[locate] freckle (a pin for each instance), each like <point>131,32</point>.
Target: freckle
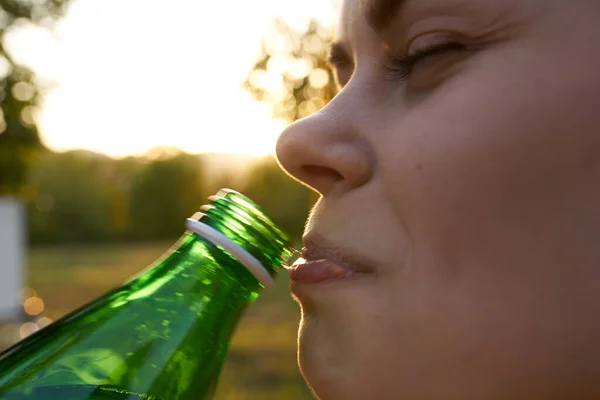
<point>419,166</point>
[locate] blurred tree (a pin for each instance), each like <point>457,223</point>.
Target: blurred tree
<point>294,76</point>
<point>167,191</point>
<point>85,197</point>
<point>72,199</point>
<point>19,93</point>
<point>292,73</point>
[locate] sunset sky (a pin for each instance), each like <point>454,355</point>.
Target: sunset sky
<point>129,75</point>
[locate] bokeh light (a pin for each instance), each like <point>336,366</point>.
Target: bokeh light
<point>319,78</point>
<point>28,115</point>
<point>27,329</point>
<point>34,306</point>
<point>43,322</point>
<point>23,91</point>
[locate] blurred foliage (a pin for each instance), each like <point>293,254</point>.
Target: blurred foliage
<point>83,197</point>
<point>292,73</point>
<point>71,193</point>
<point>36,11</point>
<point>19,93</point>
<point>164,193</point>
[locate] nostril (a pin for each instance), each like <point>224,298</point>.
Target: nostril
<point>320,178</point>
<point>321,173</point>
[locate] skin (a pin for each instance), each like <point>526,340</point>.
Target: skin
<point>472,188</point>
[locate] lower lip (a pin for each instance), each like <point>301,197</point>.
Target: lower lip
<point>319,271</point>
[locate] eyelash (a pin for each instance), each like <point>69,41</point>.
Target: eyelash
<point>401,67</point>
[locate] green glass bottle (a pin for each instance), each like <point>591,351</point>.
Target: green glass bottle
<point>165,333</point>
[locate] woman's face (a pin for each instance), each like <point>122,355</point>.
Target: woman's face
<point>461,164</point>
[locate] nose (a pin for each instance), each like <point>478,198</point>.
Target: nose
<point>326,151</point>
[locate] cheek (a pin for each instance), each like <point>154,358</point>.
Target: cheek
<point>494,144</point>
<point>488,175</point>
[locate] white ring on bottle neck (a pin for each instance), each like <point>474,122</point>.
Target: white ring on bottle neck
<point>241,254</point>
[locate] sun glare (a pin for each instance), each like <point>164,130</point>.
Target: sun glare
<point>157,77</point>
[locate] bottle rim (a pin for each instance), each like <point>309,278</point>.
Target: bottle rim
<point>242,255</point>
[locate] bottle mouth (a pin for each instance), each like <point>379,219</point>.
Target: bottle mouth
<point>245,224</point>
<point>295,257</point>
<point>245,258</point>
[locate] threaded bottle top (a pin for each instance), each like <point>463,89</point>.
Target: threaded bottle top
<point>244,223</point>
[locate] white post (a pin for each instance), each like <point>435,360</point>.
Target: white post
<point>12,256</point>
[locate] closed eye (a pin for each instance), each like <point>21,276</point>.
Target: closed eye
<point>401,67</point>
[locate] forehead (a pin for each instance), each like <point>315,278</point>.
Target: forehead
<point>360,17</point>
<point>375,13</point>
<point>379,15</point>
<point>363,20</point>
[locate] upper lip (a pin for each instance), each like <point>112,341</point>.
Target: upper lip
<point>317,247</point>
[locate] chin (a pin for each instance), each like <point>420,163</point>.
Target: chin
<point>343,346</point>
<point>341,375</point>
<point>325,371</point>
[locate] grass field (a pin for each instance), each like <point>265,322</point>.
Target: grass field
<point>262,361</point>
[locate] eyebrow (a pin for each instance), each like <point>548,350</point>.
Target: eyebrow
<point>379,13</point>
